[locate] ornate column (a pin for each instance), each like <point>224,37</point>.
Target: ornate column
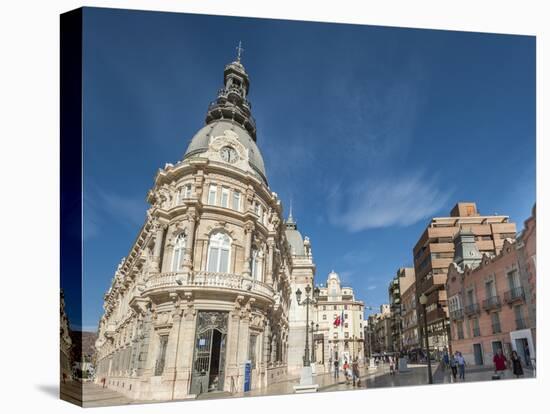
<point>190,244</point>
<point>159,236</point>
<point>248,229</point>
<point>173,338</point>
<point>269,267</point>
<point>185,348</point>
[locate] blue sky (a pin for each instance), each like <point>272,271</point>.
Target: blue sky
<point>370,130</point>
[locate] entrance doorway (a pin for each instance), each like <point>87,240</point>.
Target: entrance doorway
<point>522,348</point>
<point>209,353</point>
<point>478,354</point>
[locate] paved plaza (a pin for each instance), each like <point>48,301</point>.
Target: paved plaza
<point>96,396</point>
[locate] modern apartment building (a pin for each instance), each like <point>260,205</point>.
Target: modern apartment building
<point>434,252</point>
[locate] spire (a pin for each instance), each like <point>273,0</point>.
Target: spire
<point>231,103</point>
<point>290,223</point>
<point>240,50</point>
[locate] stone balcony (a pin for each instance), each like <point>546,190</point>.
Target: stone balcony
<point>471,309</point>
<point>515,295</point>
<point>457,314</point>
<point>490,303</point>
<point>207,280</point>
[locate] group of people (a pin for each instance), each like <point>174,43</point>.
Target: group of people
<point>457,363</point>
<point>351,371</point>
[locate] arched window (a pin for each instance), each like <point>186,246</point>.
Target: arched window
<point>179,250</point>
<point>219,250</point>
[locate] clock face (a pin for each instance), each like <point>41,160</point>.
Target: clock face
<point>229,154</point>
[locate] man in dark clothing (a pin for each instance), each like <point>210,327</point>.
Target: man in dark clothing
<point>336,371</point>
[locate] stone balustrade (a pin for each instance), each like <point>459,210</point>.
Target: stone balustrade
<point>208,280</point>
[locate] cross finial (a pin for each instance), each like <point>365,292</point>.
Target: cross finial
<point>240,50</point>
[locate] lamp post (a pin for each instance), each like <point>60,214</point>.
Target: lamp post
<point>306,379</point>
<point>314,328</point>
<point>423,299</point>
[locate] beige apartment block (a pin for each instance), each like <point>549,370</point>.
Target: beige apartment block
<point>434,252</point>
<point>411,343</point>
<point>403,279</point>
<point>205,291</point>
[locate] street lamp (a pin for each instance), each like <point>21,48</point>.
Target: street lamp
<point>306,302</point>
<point>423,299</point>
<point>306,379</point>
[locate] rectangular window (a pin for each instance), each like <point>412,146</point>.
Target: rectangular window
<point>252,351</point>
<point>513,279</point>
<point>489,289</point>
<point>475,327</point>
<point>187,191</point>
<point>236,201</point>
<point>520,322</point>
<point>460,329</point>
<point>346,325</point>
<point>212,192</point>
<point>335,335</point>
<point>159,366</point>
<point>225,197</point>
<point>345,316</point>
<point>346,334</point>
<point>224,261</point>
<point>495,322</point>
<point>213,259</point>
<point>324,317</point>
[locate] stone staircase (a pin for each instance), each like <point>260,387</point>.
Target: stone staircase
<point>88,394</point>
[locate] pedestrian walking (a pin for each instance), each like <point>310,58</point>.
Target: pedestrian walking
<point>461,364</point>
<point>517,369</point>
<point>355,372</point>
<point>452,363</point>
<point>345,367</point>
<point>336,371</point>
<point>499,361</point>
<point>392,367</point>
<point>445,360</point>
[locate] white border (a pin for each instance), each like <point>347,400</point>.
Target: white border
<point>29,164</point>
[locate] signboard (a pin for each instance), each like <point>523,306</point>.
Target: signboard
<point>247,375</point>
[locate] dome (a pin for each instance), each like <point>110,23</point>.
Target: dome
<point>296,241</point>
<point>199,143</point>
<point>333,275</point>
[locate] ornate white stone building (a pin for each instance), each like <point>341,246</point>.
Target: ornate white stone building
<point>343,340</point>
<point>206,289</point>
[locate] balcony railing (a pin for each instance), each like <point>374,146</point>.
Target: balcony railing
<point>471,309</point>
<point>457,314</point>
<point>516,294</point>
<point>491,303</point>
<point>208,280</point>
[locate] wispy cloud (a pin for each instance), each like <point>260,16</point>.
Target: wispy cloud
<point>377,120</point>
<point>386,202</point>
<point>371,287</point>
<point>100,206</point>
